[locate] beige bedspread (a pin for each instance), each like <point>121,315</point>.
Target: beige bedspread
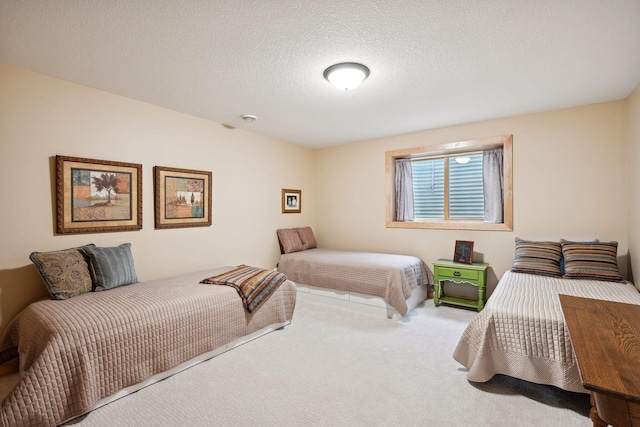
<point>81,350</point>
<point>391,277</point>
<point>522,333</point>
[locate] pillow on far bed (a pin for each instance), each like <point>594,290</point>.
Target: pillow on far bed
<point>290,241</point>
<point>541,258</point>
<point>65,272</point>
<point>591,260</point>
<point>564,271</point>
<point>307,237</point>
<point>111,267</point>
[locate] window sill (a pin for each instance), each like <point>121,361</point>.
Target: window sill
<point>452,225</point>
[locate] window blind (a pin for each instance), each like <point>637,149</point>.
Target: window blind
<point>428,188</point>
<point>466,195</point>
<point>466,198</point>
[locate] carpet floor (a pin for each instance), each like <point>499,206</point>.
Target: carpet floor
<point>337,367</point>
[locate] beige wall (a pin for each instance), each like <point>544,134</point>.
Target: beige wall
<point>570,182</point>
<point>42,116</point>
<point>633,160</point>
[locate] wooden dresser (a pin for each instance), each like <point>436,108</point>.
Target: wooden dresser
<point>606,342</point>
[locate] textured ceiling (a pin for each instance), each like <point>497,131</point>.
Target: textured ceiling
<point>433,63</point>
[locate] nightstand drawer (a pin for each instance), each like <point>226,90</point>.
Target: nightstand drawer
<point>458,273</point>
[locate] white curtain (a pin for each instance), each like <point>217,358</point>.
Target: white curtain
<point>493,181</point>
<point>404,190</point>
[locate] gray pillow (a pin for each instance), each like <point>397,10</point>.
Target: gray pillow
<point>65,272</point>
<point>111,267</point>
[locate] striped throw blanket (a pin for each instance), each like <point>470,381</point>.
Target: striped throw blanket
<point>254,285</point>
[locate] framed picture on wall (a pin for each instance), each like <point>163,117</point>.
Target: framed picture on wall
<point>463,252</point>
<point>94,196</point>
<point>182,197</point>
<point>291,201</point>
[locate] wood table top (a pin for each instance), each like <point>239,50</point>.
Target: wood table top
<point>606,342</point>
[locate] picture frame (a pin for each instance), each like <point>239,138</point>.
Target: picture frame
<point>182,197</point>
<point>463,252</point>
<point>96,196</point>
<point>291,201</point>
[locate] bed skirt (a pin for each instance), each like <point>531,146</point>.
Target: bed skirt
<point>364,303</point>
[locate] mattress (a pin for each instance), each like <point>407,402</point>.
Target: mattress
<point>79,351</point>
<point>388,276</point>
<point>522,332</point>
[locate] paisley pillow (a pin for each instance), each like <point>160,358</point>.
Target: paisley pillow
<point>66,272</point>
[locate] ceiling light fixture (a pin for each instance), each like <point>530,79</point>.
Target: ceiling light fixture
<point>249,118</point>
<point>346,75</point>
<point>462,160</point>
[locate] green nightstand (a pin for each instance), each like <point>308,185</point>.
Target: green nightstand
<point>474,274</point>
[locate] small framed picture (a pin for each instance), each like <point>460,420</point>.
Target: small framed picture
<point>291,201</point>
<point>463,252</point>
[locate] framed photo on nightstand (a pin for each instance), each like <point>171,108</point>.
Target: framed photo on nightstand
<point>463,252</point>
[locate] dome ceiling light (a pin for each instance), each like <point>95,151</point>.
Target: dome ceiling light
<point>346,75</point>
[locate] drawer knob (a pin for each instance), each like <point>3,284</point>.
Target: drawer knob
<point>456,273</point>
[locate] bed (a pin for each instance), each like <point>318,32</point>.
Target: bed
<point>80,353</point>
<point>522,332</point>
<point>375,282</point>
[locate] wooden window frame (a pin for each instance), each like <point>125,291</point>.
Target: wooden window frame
<point>482,144</point>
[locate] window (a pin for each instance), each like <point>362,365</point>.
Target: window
<point>457,177</point>
<point>444,186</point>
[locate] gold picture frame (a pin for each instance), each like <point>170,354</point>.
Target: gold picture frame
<point>182,197</point>
<point>96,196</point>
<point>291,201</point>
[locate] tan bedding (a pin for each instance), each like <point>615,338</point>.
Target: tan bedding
<point>522,333</point>
<point>81,350</point>
<point>388,276</point>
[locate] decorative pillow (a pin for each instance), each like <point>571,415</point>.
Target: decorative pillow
<point>111,267</point>
<point>66,272</point>
<point>591,260</point>
<point>307,237</point>
<point>289,240</point>
<point>562,259</point>
<point>537,258</point>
